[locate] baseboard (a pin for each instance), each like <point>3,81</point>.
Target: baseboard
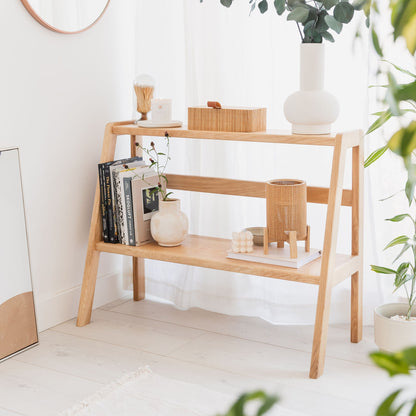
<point>64,305</point>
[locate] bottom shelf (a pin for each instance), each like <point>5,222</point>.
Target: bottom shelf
<point>210,252</point>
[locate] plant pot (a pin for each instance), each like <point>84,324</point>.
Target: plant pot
<point>391,335</point>
<point>311,110</point>
<point>169,226</point>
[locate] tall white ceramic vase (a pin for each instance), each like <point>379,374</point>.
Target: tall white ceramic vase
<point>311,110</point>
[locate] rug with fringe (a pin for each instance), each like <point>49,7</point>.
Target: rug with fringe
<point>144,393</point>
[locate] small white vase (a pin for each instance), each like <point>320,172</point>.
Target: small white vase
<point>391,335</point>
<point>311,110</point>
<point>169,226</point>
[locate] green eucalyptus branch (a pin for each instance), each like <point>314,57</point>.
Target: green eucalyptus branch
<point>314,19</point>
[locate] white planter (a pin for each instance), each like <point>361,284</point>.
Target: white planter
<point>391,335</point>
<point>311,110</point>
<point>169,226</point>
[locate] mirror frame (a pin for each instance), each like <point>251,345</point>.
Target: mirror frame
<point>32,12</point>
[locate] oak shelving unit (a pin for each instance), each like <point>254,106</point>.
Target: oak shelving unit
<point>326,272</point>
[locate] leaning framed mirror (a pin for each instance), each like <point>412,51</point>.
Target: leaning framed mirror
<point>18,329</point>
<point>66,16</point>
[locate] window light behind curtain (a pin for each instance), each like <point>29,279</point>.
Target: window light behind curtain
<point>198,52</point>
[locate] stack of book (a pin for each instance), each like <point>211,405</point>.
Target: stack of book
<point>121,198</point>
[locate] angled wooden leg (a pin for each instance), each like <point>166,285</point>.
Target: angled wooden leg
<point>93,256</point>
<point>280,244</point>
<point>320,331</point>
<point>328,259</point>
<point>138,279</point>
<point>88,287</point>
<point>357,241</point>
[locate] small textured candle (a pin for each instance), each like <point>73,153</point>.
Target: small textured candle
<point>162,110</point>
<point>242,242</point>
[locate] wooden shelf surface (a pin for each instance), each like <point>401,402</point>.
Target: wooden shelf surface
<point>268,136</point>
<point>210,252</point>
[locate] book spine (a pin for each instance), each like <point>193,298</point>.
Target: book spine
<point>128,202</point>
<point>109,205</point>
<point>118,208</point>
<point>103,203</point>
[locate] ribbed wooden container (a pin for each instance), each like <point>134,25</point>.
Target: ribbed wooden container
<point>286,209</point>
<point>227,119</point>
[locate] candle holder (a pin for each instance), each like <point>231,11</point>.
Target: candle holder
<point>144,86</point>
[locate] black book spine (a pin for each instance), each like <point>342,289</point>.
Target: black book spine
<point>103,203</point>
<point>128,198</point>
<point>109,206</point>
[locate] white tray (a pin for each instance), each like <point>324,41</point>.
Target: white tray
<point>151,123</point>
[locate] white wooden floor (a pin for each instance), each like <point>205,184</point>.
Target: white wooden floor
<point>226,354</point>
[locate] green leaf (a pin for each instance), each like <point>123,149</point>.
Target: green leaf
<point>226,3</point>
<point>299,14</point>
<point>389,362</point>
<point>343,12</point>
<point>409,355</point>
<point>405,71</point>
<point>360,4</point>
<point>403,142</point>
<point>321,25</point>
<point>376,43</point>
<point>406,92</point>
<point>328,36</point>
<point>333,23</point>
<point>403,239</point>
<point>280,6</point>
<point>328,4</point>
<point>399,218</point>
<point>375,155</point>
<point>402,251</point>
<point>263,6</point>
<point>268,403</point>
<point>384,117</point>
<point>382,270</point>
<point>386,407</point>
<point>413,409</point>
<point>410,190</point>
<point>391,95</point>
<point>409,33</point>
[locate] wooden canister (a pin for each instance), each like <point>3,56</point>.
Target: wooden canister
<point>286,209</point>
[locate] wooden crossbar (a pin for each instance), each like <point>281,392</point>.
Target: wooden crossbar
<point>315,195</point>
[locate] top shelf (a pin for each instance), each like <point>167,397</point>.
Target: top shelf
<point>268,136</point>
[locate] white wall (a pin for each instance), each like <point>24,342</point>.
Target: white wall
<point>56,94</point>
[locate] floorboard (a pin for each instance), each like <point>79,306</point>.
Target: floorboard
<point>223,353</point>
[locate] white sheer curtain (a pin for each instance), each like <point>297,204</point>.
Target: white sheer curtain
<point>198,52</point>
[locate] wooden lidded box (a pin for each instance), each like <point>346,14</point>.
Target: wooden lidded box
<point>236,119</point>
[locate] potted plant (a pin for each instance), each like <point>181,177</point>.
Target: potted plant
<point>169,226</point>
<point>395,326</point>
<point>395,323</point>
<point>312,110</point>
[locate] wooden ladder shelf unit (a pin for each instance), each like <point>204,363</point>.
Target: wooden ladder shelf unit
<point>326,272</point>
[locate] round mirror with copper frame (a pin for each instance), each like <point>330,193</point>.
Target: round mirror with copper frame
<point>66,16</point>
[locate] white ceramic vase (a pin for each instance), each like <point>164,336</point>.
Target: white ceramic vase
<point>391,335</point>
<point>311,110</point>
<point>169,226</point>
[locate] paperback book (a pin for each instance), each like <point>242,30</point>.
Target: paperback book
<point>108,218</point>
